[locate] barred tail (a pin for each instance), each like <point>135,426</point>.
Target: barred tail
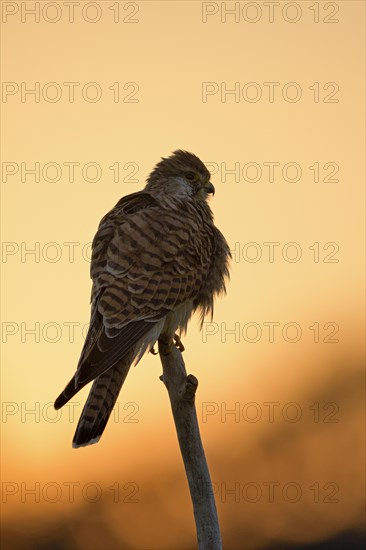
<point>99,405</point>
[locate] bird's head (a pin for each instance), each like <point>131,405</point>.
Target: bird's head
<point>183,175</point>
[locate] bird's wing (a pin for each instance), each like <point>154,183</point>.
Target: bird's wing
<point>146,261</point>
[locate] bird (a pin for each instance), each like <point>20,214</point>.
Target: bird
<point>157,258</point>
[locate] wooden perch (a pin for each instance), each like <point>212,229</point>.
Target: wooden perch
<point>182,390</point>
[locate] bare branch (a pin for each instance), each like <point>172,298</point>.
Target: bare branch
<point>182,390</point>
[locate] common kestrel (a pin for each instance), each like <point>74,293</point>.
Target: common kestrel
<point>157,257</point>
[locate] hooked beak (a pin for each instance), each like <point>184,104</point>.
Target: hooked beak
<point>209,188</point>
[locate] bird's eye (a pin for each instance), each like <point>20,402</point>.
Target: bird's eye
<point>191,176</point>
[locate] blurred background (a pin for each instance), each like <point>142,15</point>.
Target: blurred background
<point>270,97</point>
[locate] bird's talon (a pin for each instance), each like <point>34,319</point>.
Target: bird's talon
<point>152,350</point>
<point>178,343</point>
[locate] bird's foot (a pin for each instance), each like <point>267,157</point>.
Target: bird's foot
<point>152,350</point>
<point>166,347</point>
<point>178,343</point>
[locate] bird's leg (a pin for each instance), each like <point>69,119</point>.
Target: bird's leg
<point>178,342</point>
<point>166,345</point>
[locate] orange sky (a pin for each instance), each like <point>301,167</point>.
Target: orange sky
<point>314,306</point>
